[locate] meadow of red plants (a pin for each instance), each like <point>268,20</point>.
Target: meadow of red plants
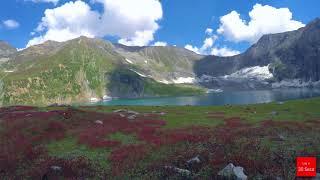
<point>265,150</point>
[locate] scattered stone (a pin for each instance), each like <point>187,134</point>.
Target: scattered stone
<point>274,113</point>
<point>163,113</point>
<point>126,111</point>
<point>132,117</point>
<point>183,172</point>
<point>281,137</point>
<point>194,164</point>
<point>133,112</point>
<point>98,122</point>
<point>28,115</point>
<point>280,103</point>
<point>122,115</point>
<point>233,173</point>
<point>120,111</point>
<point>56,168</point>
<point>194,160</point>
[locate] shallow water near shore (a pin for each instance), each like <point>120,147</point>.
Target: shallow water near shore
<point>221,98</point>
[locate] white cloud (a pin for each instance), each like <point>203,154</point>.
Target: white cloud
<point>208,43</point>
<point>55,2</point>
<point>224,52</point>
<point>208,47</point>
<point>66,22</point>
<point>192,48</point>
<point>133,23</point>
<point>160,43</point>
<point>209,31</point>
<point>205,48</point>
<point>263,20</point>
<point>141,38</point>
<point>11,24</point>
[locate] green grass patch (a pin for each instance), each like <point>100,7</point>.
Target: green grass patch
<point>124,138</point>
<point>69,148</point>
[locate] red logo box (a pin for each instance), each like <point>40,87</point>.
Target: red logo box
<point>306,166</point>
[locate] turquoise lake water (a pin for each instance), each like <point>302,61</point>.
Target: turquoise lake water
<point>222,98</point>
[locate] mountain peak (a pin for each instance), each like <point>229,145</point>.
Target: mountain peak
<point>6,49</point>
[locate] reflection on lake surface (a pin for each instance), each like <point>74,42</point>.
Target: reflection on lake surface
<point>222,98</point>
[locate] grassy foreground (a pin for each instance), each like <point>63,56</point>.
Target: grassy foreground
<point>148,142</point>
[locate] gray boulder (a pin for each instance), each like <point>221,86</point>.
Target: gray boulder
<point>182,172</point>
<point>194,160</point>
<point>132,117</point>
<point>232,172</point>
<point>56,168</point>
<point>98,122</point>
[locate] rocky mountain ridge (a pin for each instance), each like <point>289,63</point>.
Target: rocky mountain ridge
<point>85,69</point>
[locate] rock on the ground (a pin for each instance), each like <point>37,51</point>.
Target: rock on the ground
<point>232,172</point>
<point>274,113</point>
<point>281,137</point>
<point>194,160</point>
<point>194,164</point>
<point>133,112</point>
<point>183,172</point>
<point>56,168</point>
<point>119,111</point>
<point>126,111</point>
<point>122,115</point>
<point>98,122</point>
<point>132,117</point>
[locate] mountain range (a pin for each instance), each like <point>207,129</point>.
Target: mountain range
<point>88,69</point>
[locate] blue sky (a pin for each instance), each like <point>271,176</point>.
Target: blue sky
<point>175,22</point>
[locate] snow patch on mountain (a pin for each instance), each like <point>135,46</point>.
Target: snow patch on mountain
<point>164,81</point>
<point>255,72</point>
<point>184,80</point>
<point>179,80</point>
<point>129,61</point>
<point>140,74</point>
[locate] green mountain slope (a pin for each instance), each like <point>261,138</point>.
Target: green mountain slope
<point>76,71</point>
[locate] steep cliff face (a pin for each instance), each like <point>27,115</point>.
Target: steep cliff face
<point>289,55</point>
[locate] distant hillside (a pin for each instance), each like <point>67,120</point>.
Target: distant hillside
<point>79,70</point>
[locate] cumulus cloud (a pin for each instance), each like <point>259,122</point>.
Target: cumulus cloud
<point>132,23</point>
<point>208,48</point>
<point>11,24</point>
<point>205,48</point>
<point>209,31</point>
<point>224,51</point>
<point>160,43</point>
<point>208,42</point>
<point>192,48</point>
<point>55,2</point>
<point>263,20</point>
